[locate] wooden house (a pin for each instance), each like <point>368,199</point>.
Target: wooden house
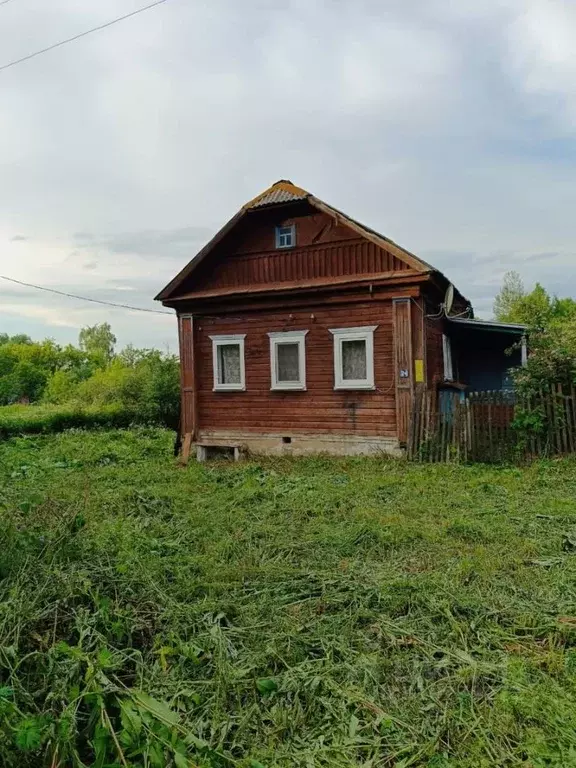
<point>302,330</point>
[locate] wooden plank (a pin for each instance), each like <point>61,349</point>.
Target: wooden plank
<point>418,341</point>
<point>571,419</point>
<point>430,424</point>
<point>465,415</point>
<point>186,446</point>
<point>262,288</point>
<point>413,431</point>
<point>456,429</point>
<point>186,374</point>
<point>561,410</point>
<point>403,360</point>
<point>488,404</point>
<point>478,424</point>
<point>424,415</point>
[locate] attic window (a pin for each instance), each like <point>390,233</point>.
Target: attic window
<point>286,236</point>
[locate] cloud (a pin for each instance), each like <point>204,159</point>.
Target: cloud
<point>447,126</point>
<point>154,243</point>
<point>544,59</point>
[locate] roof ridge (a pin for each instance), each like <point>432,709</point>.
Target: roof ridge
<point>282,191</point>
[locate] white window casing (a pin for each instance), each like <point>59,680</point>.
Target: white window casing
<point>354,357</point>
<point>286,236</point>
<point>288,373</point>
<point>227,363</point>
<point>447,354</point>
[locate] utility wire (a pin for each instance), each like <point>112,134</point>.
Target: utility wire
<point>5,1</point>
<point>82,34</point>
<point>83,298</point>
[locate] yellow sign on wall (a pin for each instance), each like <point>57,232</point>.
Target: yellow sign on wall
<point>419,371</point>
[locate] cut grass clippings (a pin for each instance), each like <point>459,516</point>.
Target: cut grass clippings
<point>282,612</point>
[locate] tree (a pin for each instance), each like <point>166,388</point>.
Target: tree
<point>19,338</point>
<point>98,341</point>
<point>506,301</point>
<point>535,309</point>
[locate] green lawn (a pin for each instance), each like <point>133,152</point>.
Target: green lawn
<point>310,612</point>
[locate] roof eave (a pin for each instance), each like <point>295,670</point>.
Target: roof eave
<point>489,325</point>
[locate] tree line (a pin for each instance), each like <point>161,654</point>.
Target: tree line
<point>90,373</point>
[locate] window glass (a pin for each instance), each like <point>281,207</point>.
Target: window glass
<point>288,355</point>
<point>285,236</point>
<point>354,360</point>
<point>229,364</point>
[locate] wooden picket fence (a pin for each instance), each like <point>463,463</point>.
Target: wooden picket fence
<point>493,427</point>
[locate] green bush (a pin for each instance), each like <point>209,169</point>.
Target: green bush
<point>86,386</point>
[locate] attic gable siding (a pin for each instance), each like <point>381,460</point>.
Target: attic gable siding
<point>324,250</point>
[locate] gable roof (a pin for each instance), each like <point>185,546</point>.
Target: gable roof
<point>281,193</point>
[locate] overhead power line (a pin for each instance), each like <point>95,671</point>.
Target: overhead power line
<point>5,1</point>
<point>82,34</point>
<point>83,298</point>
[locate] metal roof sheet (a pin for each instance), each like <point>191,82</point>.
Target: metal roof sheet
<point>489,325</point>
<point>280,192</point>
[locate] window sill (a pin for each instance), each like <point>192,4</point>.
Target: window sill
<point>355,386</point>
<point>288,388</point>
<point>229,389</point>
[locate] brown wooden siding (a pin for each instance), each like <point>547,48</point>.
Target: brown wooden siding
<point>320,408</point>
<point>308,263</point>
<point>434,350</point>
<point>323,250</point>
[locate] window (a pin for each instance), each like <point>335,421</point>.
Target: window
<point>354,357</point>
<point>286,236</point>
<point>288,359</point>
<point>228,362</point>
<point>447,354</point>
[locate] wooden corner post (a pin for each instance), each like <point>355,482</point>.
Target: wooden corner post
<point>404,366</point>
<point>188,384</point>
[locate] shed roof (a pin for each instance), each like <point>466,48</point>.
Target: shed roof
<point>489,325</point>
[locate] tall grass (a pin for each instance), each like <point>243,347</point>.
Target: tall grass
<point>48,419</point>
<point>314,612</point>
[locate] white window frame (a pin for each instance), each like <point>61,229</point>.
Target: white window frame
<point>447,356</point>
<point>292,228</point>
<point>220,341</point>
<point>288,337</point>
<point>362,333</point>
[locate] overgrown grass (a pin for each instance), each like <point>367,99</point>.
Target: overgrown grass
<point>49,419</point>
<point>314,612</point>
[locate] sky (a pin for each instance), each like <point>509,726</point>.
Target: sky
<point>449,126</point>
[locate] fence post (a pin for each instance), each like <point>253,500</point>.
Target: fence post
<point>414,423</point>
<point>571,418</point>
